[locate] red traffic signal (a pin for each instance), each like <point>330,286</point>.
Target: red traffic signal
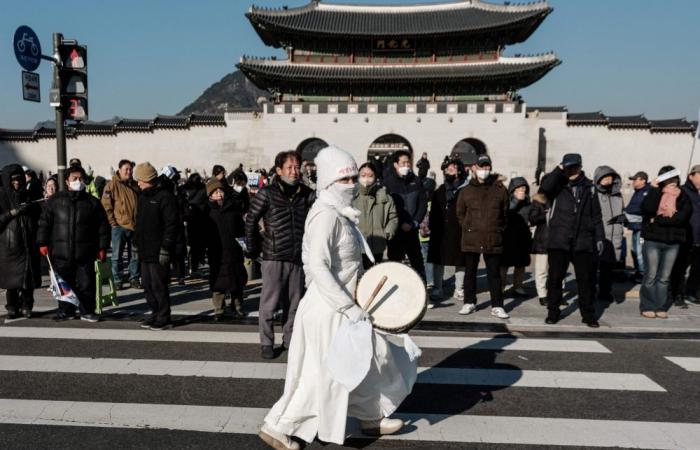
<point>74,79</point>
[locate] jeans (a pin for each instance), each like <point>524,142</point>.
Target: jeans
<point>493,275</point>
<point>658,260</point>
<point>584,268</point>
<point>637,255</point>
<point>121,239</point>
<point>429,267</point>
<point>439,274</point>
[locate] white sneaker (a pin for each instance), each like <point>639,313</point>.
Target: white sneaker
<point>458,294</point>
<point>277,440</point>
<point>468,308</point>
<point>381,427</point>
<point>500,313</point>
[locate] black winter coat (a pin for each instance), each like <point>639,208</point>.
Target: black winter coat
<point>445,230</point>
<point>409,196</point>
<point>517,239</point>
<point>669,230</point>
<point>157,223</point>
<point>284,215</point>
<point>575,222</point>
<point>19,257</point>
<point>226,270</point>
<point>196,212</point>
<point>537,218</point>
<point>74,226</point>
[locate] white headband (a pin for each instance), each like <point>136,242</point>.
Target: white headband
<point>669,175</point>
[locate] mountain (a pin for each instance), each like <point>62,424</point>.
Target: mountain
<point>233,91</point>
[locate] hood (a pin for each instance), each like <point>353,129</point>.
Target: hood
<point>8,171</point>
<point>604,171</point>
<point>518,182</point>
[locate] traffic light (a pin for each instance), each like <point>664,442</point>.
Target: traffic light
<point>74,79</point>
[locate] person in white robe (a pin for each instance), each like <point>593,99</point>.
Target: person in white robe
<point>314,402</point>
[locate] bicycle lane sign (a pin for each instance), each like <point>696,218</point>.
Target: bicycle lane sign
<point>27,48</point>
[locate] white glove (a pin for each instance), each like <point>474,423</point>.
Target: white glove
<point>356,314</point>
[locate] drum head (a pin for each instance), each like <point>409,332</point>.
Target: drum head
<point>401,302</point>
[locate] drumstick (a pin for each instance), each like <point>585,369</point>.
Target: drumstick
<point>379,287</point>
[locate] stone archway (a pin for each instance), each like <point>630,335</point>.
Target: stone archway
<point>387,144</point>
<point>309,148</point>
<point>468,150</point>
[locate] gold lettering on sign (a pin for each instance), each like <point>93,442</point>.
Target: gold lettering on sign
<point>381,44</point>
<point>393,44</point>
<point>405,44</point>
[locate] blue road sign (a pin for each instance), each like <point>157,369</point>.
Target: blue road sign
<point>27,48</point>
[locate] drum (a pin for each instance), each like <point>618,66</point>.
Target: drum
<point>393,295</point>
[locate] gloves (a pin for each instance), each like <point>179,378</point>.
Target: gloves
<point>356,314</point>
<point>101,255</point>
<point>600,247</point>
<point>21,209</point>
<point>44,250</point>
<point>164,257</point>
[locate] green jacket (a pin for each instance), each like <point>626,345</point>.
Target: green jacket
<point>378,218</point>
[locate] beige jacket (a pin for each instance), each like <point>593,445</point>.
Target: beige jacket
<point>119,200</point>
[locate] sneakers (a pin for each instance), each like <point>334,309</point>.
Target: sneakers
<point>155,326</point>
<point>61,316</point>
<point>267,352</point>
<point>552,318</point>
<point>662,314</point>
<point>520,292</point>
<point>92,318</point>
<point>679,302</point>
<point>499,312</point>
<point>381,427</point>
<point>468,308</point>
<point>135,284</point>
<point>591,323</point>
<point>690,300</point>
<point>147,322</point>
<point>649,314</point>
<point>458,294</point>
<point>26,312</point>
<point>277,440</point>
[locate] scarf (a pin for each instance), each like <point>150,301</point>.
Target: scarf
<point>351,214</point>
<point>667,205</point>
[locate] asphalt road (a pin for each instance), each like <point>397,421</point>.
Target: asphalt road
<point>477,391</point>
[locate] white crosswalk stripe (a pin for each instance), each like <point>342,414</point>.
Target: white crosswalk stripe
<point>176,410</point>
<point>427,375</point>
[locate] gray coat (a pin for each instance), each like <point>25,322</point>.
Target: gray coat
<point>378,218</point>
<point>611,207</point>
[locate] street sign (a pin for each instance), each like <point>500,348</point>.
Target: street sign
<point>55,98</point>
<point>27,48</point>
<point>30,87</point>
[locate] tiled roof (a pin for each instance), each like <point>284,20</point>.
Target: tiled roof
<point>671,126</point>
<point>513,73</point>
<point>616,122</point>
<point>112,128</point>
<point>588,118</point>
<point>514,23</point>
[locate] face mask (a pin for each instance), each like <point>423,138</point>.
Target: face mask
<point>238,188</point>
<point>366,181</point>
<point>345,192</point>
<point>290,181</point>
<point>77,185</point>
<point>403,171</point>
<point>483,174</point>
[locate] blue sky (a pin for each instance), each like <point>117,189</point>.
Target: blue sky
<point>156,56</point>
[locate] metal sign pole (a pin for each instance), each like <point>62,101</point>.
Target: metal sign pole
<point>692,152</point>
<point>60,128</point>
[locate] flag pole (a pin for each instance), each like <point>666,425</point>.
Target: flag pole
<point>692,152</point>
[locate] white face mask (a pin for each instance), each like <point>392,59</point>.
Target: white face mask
<point>76,185</point>
<point>238,188</point>
<point>366,181</point>
<point>483,174</point>
<point>344,192</point>
<point>403,171</point>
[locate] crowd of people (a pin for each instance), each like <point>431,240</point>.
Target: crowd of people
<point>161,226</point>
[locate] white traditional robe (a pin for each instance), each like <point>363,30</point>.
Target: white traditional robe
<point>313,403</point>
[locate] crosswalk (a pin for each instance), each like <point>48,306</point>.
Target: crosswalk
<point>471,390</point>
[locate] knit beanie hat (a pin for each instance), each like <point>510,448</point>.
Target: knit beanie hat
<point>214,185</point>
<point>145,172</point>
<point>333,164</point>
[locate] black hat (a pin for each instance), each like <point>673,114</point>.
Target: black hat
<point>217,170</point>
<point>640,174</point>
<point>483,160</point>
<point>75,162</point>
<point>571,160</point>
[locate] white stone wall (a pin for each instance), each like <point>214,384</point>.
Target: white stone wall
<point>511,138</point>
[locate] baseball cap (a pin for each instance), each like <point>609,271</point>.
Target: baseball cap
<point>695,169</point>
<point>483,160</point>
<point>571,160</point>
<point>645,176</point>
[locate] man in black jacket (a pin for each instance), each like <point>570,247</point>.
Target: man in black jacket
<point>157,226</point>
<point>282,206</point>
<point>19,257</point>
<point>74,231</point>
<point>411,202</point>
<point>576,236</point>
